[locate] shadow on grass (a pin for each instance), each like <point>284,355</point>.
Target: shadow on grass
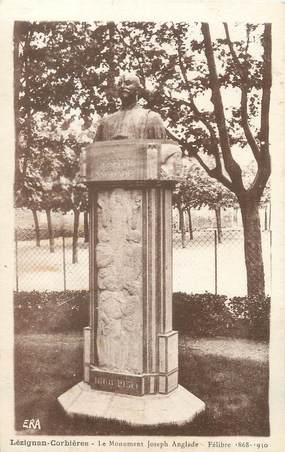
<point>235,391</point>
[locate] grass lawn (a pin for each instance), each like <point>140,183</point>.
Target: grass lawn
<point>235,390</point>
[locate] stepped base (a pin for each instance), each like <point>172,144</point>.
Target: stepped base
<point>178,407</point>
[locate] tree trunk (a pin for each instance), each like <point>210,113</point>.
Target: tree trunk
<point>190,223</point>
<point>182,227</point>
<point>75,236</point>
<point>219,224</point>
<point>265,218</point>
<point>179,219</point>
<point>86,227</point>
<point>235,216</point>
<point>50,231</point>
<point>253,248</point>
<point>17,84</point>
<point>37,228</point>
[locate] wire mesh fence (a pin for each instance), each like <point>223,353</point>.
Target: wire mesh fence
<point>208,261</point>
<point>215,262</point>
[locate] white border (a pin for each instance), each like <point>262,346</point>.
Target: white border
<point>155,10</point>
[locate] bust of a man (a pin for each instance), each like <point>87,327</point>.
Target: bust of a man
<point>131,121</point>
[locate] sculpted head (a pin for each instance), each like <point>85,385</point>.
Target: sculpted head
<point>129,87</point>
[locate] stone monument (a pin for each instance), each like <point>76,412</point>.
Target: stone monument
<point>130,349</point>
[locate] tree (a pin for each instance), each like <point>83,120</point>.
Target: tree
<point>48,205</point>
<point>72,195</point>
<point>178,202</point>
<point>248,198</point>
<point>86,227</point>
<point>193,81</point>
<point>265,202</point>
<point>69,193</point>
<point>55,83</point>
<point>165,54</point>
<point>198,190</point>
<point>30,198</point>
<point>217,134</point>
<point>216,197</point>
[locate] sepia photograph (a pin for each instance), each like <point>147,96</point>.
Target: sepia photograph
<point>142,235</point>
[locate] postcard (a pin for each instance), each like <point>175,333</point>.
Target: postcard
<point>142,226</point>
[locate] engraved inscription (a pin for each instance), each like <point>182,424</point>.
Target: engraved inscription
<point>117,383</point>
<point>111,382</point>
<point>130,161</point>
<point>120,163</point>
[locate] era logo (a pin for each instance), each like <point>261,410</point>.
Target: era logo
<point>32,423</point>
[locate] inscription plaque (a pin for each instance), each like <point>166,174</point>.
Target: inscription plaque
<point>124,384</point>
<point>129,160</point>
<point>125,161</point>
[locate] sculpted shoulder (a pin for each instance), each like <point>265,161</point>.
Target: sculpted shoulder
<point>154,117</point>
<point>136,111</point>
<point>104,124</point>
<point>134,122</point>
<point>155,126</point>
<point>110,118</point>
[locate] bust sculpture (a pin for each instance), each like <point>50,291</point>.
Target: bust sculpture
<point>131,121</point>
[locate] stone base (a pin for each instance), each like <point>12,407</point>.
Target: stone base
<point>178,407</point>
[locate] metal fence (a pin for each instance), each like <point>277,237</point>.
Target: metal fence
<point>206,263</point>
<point>202,263</point>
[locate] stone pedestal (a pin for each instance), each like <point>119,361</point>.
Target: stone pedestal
<point>130,349</point>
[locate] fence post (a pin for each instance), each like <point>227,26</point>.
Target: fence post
<point>16,266</point>
<point>63,262</point>
<point>216,261</point>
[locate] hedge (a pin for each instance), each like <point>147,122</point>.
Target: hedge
<point>216,315</point>
<point>195,315</point>
<point>51,311</point>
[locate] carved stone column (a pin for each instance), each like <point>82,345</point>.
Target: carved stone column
<point>129,346</point>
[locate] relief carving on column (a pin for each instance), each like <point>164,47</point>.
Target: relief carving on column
<point>108,279</point>
<point>119,269</point>
<point>134,231</point>
<point>104,255</point>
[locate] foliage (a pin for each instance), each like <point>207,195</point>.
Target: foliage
<point>66,71</point>
<point>214,96</point>
<point>200,314</point>
<point>194,315</point>
<point>51,311</point>
<point>254,313</point>
<point>215,315</point>
<point>198,190</point>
